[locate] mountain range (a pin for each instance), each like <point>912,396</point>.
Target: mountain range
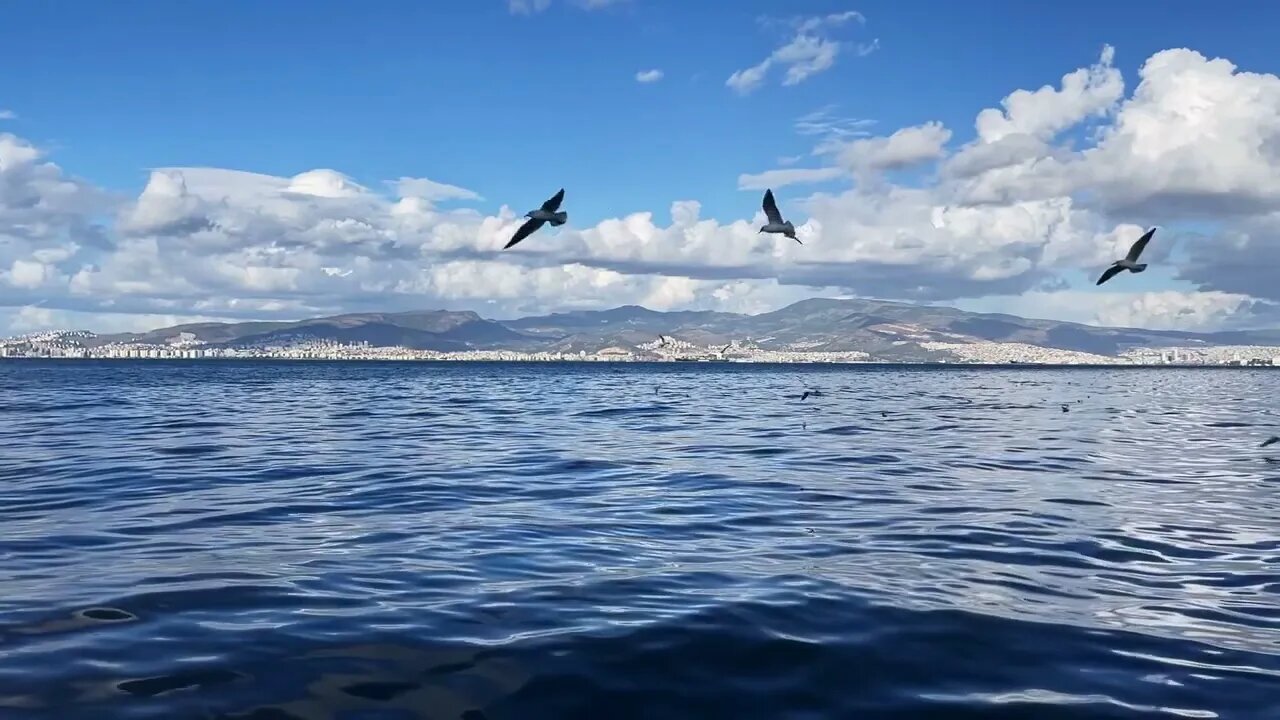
<point>891,331</point>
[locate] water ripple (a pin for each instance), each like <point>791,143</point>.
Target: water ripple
<point>487,540</point>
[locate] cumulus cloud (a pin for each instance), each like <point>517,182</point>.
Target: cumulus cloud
<point>1048,111</point>
<point>1197,138</point>
<point>809,50</point>
<point>649,76</point>
<point>1020,209</point>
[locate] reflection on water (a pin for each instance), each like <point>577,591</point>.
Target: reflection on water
<point>293,540</point>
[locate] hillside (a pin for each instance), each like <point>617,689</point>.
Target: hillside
<point>885,330</point>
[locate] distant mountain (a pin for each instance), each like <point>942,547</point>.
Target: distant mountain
<point>885,330</point>
<point>431,330</point>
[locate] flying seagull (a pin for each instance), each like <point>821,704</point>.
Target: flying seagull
<point>776,224</point>
<point>1130,261</point>
<point>545,214</point>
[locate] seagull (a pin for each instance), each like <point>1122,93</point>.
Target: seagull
<point>545,214</point>
<point>1130,261</point>
<point>1064,409</point>
<point>776,224</point>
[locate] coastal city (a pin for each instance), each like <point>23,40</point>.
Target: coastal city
<point>84,345</point>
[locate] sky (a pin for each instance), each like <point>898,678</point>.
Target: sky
<point>176,162</point>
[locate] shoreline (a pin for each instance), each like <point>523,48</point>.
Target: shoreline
<point>679,363</point>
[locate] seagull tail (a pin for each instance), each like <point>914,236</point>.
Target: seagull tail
<point>561,218</point>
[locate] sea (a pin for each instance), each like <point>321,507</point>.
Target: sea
<point>303,540</point>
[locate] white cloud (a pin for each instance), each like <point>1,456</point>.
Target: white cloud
<point>8,115</point>
<point>31,318</point>
<point>432,191</point>
<point>830,127</point>
<point>649,76</point>
<point>1162,310</point>
<point>530,7</point>
<point>1197,135</point>
<point>905,148</point>
<point>1044,113</point>
<point>1169,310</point>
<point>809,50</point>
<point>28,274</point>
<point>1050,187</point>
<point>787,176</point>
<point>527,7</point>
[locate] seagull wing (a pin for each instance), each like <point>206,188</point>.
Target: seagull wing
<point>771,208</point>
<point>525,231</point>
<point>1110,273</point>
<point>553,204</point>
<point>1139,246</point>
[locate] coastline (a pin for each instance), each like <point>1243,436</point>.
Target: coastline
<point>644,361</point>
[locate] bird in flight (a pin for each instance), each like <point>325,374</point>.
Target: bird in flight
<point>549,213</point>
<point>776,224</point>
<point>1130,261</point>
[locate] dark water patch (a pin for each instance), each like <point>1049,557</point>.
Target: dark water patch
<point>203,680</point>
<point>1076,501</point>
<point>462,400</point>
<point>424,414</point>
<point>767,451</point>
<point>186,450</point>
<point>622,412</point>
<point>845,430</point>
<point>192,424</point>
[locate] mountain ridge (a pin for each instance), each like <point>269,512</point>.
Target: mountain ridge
<point>886,330</point>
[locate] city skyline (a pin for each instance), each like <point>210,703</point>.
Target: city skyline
<point>934,155</point>
<point>811,331</point>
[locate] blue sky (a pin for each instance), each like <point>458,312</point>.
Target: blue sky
<point>514,105</point>
<point>510,105</point>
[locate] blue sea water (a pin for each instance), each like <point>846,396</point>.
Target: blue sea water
<point>278,540</point>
